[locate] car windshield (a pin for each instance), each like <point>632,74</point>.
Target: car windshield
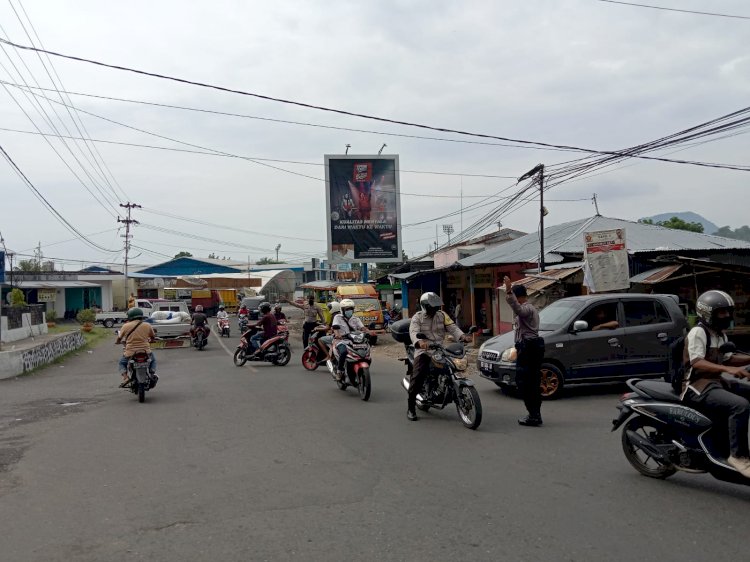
<point>557,314</point>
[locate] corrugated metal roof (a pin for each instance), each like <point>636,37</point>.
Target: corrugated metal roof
<point>567,238</point>
<point>536,283</point>
<point>54,284</point>
<point>655,275</point>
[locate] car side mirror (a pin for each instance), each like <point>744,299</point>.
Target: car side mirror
<point>580,326</point>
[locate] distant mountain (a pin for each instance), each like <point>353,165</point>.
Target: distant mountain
<point>687,216</point>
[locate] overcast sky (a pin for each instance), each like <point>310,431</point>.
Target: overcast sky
<point>569,72</point>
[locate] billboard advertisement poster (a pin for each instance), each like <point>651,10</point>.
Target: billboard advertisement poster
<point>606,261</point>
<point>363,208</point>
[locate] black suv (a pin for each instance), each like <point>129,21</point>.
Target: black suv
<point>593,338</point>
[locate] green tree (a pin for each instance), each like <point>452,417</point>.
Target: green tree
<point>30,266</point>
<point>183,254</point>
<point>267,261</point>
<point>17,298</point>
<point>676,223</point>
<point>741,233</point>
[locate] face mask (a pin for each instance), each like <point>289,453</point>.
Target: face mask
<point>348,313</point>
<point>430,310</point>
<point>722,324</point>
<point>311,302</point>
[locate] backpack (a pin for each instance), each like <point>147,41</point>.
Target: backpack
<point>677,363</point>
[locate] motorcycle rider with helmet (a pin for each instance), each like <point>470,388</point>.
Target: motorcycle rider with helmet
<point>277,312</point>
<point>137,335</point>
<point>222,314</point>
<point>326,342</point>
<point>343,323</point>
<point>704,388</point>
<point>269,325</point>
<point>199,320</point>
<point>435,324</point>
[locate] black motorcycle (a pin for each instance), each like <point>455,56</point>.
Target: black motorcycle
<point>358,360</point>
<point>665,435</point>
<point>141,380</point>
<point>274,350</point>
<point>200,337</point>
<point>446,383</point>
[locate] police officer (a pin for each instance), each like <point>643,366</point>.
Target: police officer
<point>530,352</point>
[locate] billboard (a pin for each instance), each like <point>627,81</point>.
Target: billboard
<point>363,208</point>
<point>606,261</point>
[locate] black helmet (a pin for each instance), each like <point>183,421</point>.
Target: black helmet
<point>135,313</point>
<point>430,303</point>
<point>711,302</point>
<point>265,307</point>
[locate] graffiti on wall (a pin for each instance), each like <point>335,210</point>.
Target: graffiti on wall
<point>44,354</point>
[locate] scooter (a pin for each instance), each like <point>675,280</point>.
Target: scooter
<point>358,361</point>
<point>314,356</point>
<point>222,327</point>
<point>661,435</point>
<point>200,337</point>
<point>243,320</point>
<point>274,350</point>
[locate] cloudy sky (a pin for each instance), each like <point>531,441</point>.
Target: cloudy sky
<point>569,72</point>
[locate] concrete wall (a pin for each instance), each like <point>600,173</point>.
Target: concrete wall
<point>26,330</point>
<point>14,363</point>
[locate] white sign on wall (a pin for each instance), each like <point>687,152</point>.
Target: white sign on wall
<point>606,261</point>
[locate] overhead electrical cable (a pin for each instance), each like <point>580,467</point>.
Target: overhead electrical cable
<point>695,12</point>
<point>355,114</point>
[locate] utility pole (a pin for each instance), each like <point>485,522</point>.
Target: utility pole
<point>539,169</point>
<point>596,205</point>
<point>127,221</point>
<point>278,247</point>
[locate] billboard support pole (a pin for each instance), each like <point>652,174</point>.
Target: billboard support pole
<point>363,269</point>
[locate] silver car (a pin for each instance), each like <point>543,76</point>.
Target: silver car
<point>593,338</point>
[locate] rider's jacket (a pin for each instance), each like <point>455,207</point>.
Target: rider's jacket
<point>696,348</point>
<point>199,319</point>
<point>136,334</point>
<point>434,327</point>
<point>346,325</point>
<point>222,314</point>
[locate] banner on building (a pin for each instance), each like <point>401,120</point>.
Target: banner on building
<point>606,261</point>
<point>364,208</point>
<point>46,295</point>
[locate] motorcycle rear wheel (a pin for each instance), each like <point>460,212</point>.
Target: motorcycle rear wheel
<point>639,459</point>
<point>141,392</point>
<point>240,357</point>
<point>469,407</point>
<point>364,384</point>
<point>310,359</point>
<point>283,357</point>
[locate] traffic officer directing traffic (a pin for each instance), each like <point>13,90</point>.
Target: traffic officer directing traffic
<point>530,351</point>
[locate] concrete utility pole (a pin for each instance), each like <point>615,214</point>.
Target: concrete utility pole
<point>539,169</point>
<point>127,222</point>
<point>278,247</point>
<point>596,205</point>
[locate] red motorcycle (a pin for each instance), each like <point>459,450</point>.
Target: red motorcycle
<point>282,329</point>
<point>314,355</point>
<point>200,337</point>
<point>274,350</point>
<point>222,326</point>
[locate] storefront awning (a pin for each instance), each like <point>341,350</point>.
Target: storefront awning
<point>657,275</point>
<point>537,282</point>
<point>54,284</point>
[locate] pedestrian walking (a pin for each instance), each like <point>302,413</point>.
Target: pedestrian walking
<point>530,351</point>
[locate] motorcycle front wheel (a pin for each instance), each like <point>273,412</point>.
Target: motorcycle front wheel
<point>310,359</point>
<point>469,406</point>
<point>240,357</point>
<point>283,357</point>
<point>363,384</point>
<point>641,460</point>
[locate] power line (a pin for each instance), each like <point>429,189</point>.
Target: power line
<point>714,14</point>
<point>360,115</point>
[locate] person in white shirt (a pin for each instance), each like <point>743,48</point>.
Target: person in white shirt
<point>344,323</point>
<point>222,314</point>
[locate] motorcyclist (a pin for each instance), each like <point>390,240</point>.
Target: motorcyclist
<point>269,325</point>
<point>325,342</point>
<point>343,323</point>
<point>243,311</point>
<point>277,313</point>
<point>434,324</point>
<point>136,335</point>
<point>198,320</point>
<point>222,314</point>
<point>704,387</point>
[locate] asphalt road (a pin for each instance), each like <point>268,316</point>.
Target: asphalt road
<point>275,463</point>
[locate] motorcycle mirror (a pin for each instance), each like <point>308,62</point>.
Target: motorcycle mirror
<point>728,347</point>
<point>473,329</point>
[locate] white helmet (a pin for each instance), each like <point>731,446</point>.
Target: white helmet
<point>334,307</point>
<point>347,303</point>
<point>430,302</point>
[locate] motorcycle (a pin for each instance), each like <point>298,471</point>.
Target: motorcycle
<point>283,330</point>
<point>222,327</point>
<point>446,382</point>
<point>141,380</point>
<point>666,435</point>
<point>274,350</point>
<point>200,337</point>
<point>243,320</point>
<point>314,355</point>
<point>358,361</point>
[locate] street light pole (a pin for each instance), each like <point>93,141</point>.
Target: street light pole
<point>278,247</point>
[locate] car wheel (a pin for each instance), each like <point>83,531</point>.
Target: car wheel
<point>552,381</point>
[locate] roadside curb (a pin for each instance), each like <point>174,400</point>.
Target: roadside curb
<point>17,362</point>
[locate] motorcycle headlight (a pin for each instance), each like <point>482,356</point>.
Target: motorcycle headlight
<point>461,364</point>
<point>509,355</point>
